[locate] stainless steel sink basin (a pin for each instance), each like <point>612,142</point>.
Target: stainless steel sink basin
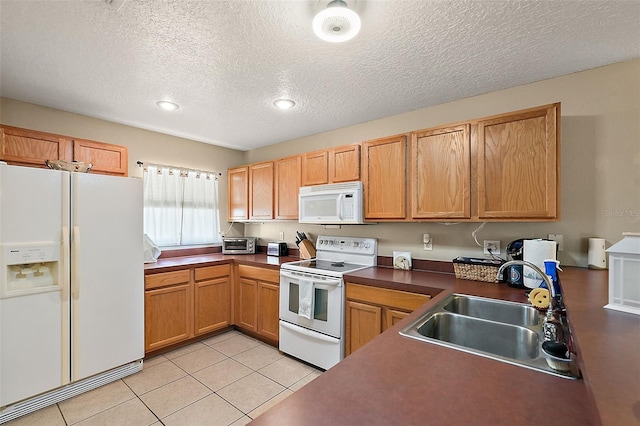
<point>504,331</point>
<point>496,338</point>
<point>494,310</point>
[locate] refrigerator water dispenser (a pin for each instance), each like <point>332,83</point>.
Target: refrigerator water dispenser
<point>30,268</point>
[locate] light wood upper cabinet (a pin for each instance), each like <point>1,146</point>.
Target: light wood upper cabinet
<point>440,173</point>
<point>106,158</point>
<point>25,147</point>
<point>238,193</point>
<point>315,168</point>
<point>384,178</point>
<point>518,165</point>
<point>344,164</point>
<point>288,174</point>
<point>261,191</point>
<point>341,164</point>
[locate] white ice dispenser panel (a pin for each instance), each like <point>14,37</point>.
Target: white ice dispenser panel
<point>30,268</point>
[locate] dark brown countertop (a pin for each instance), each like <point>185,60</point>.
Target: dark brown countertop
<point>177,263</point>
<point>396,380</point>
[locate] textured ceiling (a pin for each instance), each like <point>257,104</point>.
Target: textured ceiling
<point>225,62</point>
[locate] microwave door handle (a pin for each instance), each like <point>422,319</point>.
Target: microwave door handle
<point>339,206</point>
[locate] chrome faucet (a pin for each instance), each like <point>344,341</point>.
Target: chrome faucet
<point>552,328</point>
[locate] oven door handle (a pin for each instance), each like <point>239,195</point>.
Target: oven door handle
<point>308,333</point>
<point>336,282</point>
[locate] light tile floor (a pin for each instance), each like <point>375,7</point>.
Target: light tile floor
<point>228,379</point>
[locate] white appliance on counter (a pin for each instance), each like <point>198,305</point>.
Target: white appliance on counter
<point>71,284</point>
<point>312,298</point>
<point>335,203</point>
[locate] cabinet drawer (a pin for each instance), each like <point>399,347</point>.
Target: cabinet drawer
<point>261,274</point>
<point>386,297</point>
<point>209,272</point>
<point>166,278</point>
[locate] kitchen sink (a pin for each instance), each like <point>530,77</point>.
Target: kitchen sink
<point>494,310</point>
<point>496,338</point>
<point>503,331</point>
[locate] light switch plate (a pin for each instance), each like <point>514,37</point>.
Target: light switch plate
<point>493,245</point>
<point>427,241</point>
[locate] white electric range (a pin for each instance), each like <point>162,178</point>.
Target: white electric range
<point>312,298</point>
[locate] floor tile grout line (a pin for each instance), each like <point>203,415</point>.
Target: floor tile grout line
<point>256,344</point>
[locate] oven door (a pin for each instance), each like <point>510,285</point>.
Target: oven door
<point>327,302</point>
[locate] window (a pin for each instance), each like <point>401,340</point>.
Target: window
<point>180,206</point>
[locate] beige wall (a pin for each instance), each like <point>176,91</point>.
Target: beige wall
<point>600,178</point>
<point>600,182</point>
<point>143,145</point>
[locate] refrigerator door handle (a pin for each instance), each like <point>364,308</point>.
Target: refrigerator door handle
<point>64,295</point>
<point>64,267</point>
<point>75,264</point>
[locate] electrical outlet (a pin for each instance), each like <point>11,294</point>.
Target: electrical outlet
<point>493,245</point>
<point>427,241</point>
<point>281,236</point>
<point>559,239</point>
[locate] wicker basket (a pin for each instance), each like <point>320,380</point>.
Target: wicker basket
<point>467,268</point>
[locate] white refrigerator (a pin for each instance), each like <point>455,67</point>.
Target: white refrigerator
<point>71,284</point>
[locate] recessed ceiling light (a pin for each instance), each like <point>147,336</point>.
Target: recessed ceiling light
<point>336,23</point>
<point>284,103</point>
<point>168,106</point>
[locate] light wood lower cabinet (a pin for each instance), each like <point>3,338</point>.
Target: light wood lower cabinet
<point>372,310</point>
<point>168,309</point>
<point>212,299</point>
<point>257,301</point>
<point>248,300</point>
<point>268,311</point>
<point>182,304</point>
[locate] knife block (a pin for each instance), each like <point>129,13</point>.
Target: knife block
<point>307,250</point>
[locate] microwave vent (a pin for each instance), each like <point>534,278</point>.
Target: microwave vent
<point>332,187</point>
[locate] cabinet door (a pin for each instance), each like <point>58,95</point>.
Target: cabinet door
<point>248,306</point>
<point>384,178</point>
<point>288,173</point>
<point>363,322</point>
<point>106,158</point>
<point>238,194</point>
<point>315,168</point>
<point>344,164</point>
<point>212,305</point>
<point>261,191</point>
<point>30,148</point>
<point>168,316</point>
<point>392,317</point>
<point>268,310</point>
<point>440,173</point>
<point>518,165</point>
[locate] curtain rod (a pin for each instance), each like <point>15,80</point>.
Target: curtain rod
<point>140,164</point>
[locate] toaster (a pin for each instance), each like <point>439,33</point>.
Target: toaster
<point>277,248</point>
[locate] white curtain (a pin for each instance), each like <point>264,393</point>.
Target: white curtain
<point>180,206</point>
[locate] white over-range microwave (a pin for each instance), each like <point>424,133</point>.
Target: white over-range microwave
<point>337,203</point>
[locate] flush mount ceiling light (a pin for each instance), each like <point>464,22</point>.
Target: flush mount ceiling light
<point>336,23</point>
<point>168,106</point>
<point>284,103</point>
